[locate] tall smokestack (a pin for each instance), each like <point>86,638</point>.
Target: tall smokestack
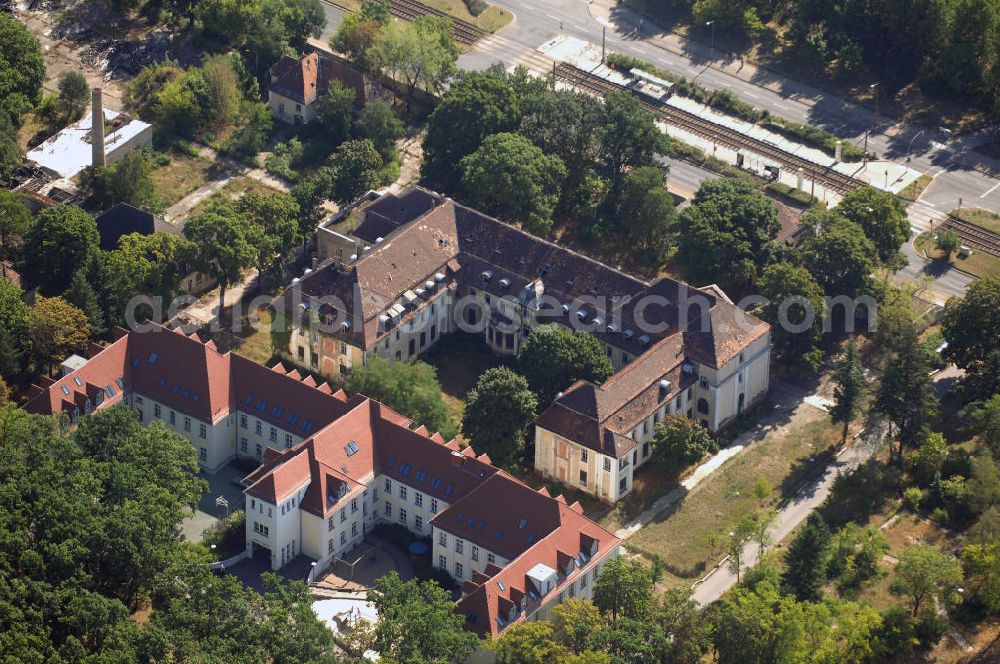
<point>97,129</point>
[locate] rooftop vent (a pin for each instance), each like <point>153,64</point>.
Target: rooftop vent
<point>379,240</point>
<point>565,308</point>
<point>487,275</point>
<point>665,385</point>
<point>505,282</point>
<point>628,334</point>
<point>612,327</point>
<point>346,325</point>
<point>354,257</point>
<point>581,314</point>
<point>439,277</point>
<point>644,340</point>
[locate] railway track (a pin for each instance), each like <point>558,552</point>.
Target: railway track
<point>824,176</point>
<point>464,32</point>
<point>973,236</point>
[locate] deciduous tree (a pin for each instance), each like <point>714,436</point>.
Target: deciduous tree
<point>882,217</point>
<point>22,69</point>
<point>795,308</point>
<point>418,623</point>
<point>906,394</point>
<point>840,257</point>
<point>678,442</point>
<point>623,590</point>
<point>224,246</point>
<point>411,388</point>
<point>647,213</point>
<point>947,242</point>
<point>62,238</point>
<point>55,330</point>
<point>15,220</point>
<point>276,220</point>
<point>354,170</point>
<point>475,106</point>
<point>972,327</point>
<point>724,235</point>
<point>553,358</point>
<point>420,53</point>
<point>380,125</point>
<point>74,93</point>
<point>511,178</point>
<point>925,572</point>
<point>497,411</point>
<point>334,112</point>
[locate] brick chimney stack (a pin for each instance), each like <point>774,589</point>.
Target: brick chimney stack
<point>97,129</point>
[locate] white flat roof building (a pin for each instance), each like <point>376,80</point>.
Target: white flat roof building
<point>69,152</point>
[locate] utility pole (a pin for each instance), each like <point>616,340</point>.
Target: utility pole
<point>711,50</point>
<point>875,87</point>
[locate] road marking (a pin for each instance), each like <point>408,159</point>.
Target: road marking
<point>554,18</point>
<point>990,190</point>
<point>752,95</point>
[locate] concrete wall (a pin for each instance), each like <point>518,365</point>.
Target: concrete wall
<point>287,110</point>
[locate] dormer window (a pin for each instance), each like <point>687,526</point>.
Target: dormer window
<point>487,275</point>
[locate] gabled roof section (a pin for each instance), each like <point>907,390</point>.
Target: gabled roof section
<point>502,515</point>
<point>494,603</point>
<point>104,370</point>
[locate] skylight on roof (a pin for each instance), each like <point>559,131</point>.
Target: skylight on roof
<point>404,469</point>
<point>177,389</point>
<point>153,357</point>
<point>461,517</point>
<point>196,398</point>
<point>499,534</point>
<point>392,463</point>
<point>435,484</point>
<point>76,379</point>
<point>163,382</point>
<point>307,425</point>
<point>249,400</point>
<point>421,475</point>
<point>351,448</point>
<point>187,394</point>
<point>136,362</point>
<point>277,411</point>
<point>262,405</point>
<point>449,489</point>
<point>522,523</point>
<point>501,586</point>
<point>293,418</point>
<point>531,539</point>
<point>65,390</point>
<point>471,522</point>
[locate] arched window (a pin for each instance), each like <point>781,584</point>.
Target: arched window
<point>703,406</point>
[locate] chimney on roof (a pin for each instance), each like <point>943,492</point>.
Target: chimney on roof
<point>97,129</point>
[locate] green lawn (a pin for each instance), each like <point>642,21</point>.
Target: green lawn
<point>979,263</point>
<point>459,361</point>
<point>912,191</point>
<point>691,535</point>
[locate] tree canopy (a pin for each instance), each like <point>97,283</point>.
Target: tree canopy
<point>795,309</point>
<point>420,53</point>
<point>724,235</point>
<point>624,590</point>
<point>840,257</point>
<point>224,246</point>
<point>15,220</point>
<point>418,623</point>
<point>55,330</point>
<point>62,238</point>
<point>679,442</point>
<point>511,178</point>
<point>410,388</point>
<point>22,69</point>
<point>497,411</point>
<point>881,215</point>
<point>553,358</point>
<point>972,327</point>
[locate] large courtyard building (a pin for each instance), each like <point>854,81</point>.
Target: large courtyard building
<point>332,467</point>
<point>417,266</point>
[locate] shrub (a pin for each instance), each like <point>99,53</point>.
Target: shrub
<point>913,497</point>
<point>476,7</point>
<point>940,516</point>
<point>930,628</point>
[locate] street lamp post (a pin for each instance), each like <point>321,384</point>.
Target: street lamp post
<point>875,87</point>
<point>711,49</point>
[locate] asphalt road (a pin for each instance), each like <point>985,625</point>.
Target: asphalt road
<point>953,165</point>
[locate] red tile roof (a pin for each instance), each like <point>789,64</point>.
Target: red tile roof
<point>305,79</point>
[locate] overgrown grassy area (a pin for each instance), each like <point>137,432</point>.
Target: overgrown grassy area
<point>979,263</point>
<point>233,190</point>
<point>490,20</point>
<point>185,173</point>
<point>980,217</point>
<point>692,534</point>
<point>459,361</point>
<point>262,344</point>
